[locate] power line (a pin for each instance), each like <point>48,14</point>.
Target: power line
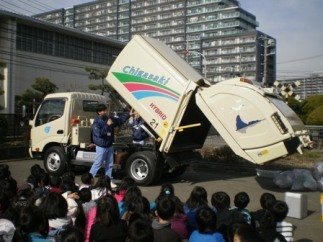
<point>31,5</point>
<point>301,59</point>
<point>17,7</point>
<point>43,4</point>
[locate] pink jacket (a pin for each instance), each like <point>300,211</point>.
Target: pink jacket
<point>89,222</point>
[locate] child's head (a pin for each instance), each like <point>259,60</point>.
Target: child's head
<point>54,205</point>
<point>267,220</point>
<point>166,190</point>
<point>32,220</point>
<point>267,199</point>
<point>245,232</point>
<point>85,194</point>
<point>221,201</point>
<point>178,205</point>
<point>44,179</point>
<point>68,186</point>
<point>140,231</point>
<point>87,178</point>
<point>36,170</point>
<point>55,181</point>
<point>104,182</point>
<point>198,197</point>
<point>165,208</point>
<point>279,210</point>
<point>205,220</point>
<point>4,171</point>
<point>126,182</point>
<point>107,211</point>
<point>241,200</point>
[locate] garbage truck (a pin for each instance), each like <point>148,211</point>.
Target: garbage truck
<point>179,107</point>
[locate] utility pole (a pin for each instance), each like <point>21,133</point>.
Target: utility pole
<point>264,81</point>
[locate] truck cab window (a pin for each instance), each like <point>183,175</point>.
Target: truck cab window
<point>50,110</point>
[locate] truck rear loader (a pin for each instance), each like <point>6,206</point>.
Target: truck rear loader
<point>179,107</point>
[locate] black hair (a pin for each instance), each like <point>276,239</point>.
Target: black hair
<point>248,233</point>
<point>267,220</point>
<point>68,186</point>
<point>166,190</point>
<point>55,181</point>
<point>205,220</point>
<point>100,107</point>
<point>72,234</point>
<point>107,211</point>
<point>54,205</point>
<point>241,200</point>
<point>279,210</point>
<point>140,231</point>
<point>33,219</point>
<point>126,182</point>
<point>36,171</point>
<point>4,171</point>
<point>85,194</point>
<point>197,198</point>
<point>165,208</point>
<point>178,205</point>
<point>45,178</point>
<point>103,183</point>
<point>267,199</point>
<point>87,178</point>
<point>68,175</point>
<point>221,201</point>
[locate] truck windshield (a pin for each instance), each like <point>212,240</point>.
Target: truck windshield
<point>50,110</point>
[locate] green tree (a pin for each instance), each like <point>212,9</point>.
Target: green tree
<point>308,106</point>
<point>316,116</point>
<point>294,104</point>
<point>97,74</point>
<point>44,86</point>
<point>32,98</point>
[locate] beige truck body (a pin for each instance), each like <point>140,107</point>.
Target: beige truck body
<point>180,106</point>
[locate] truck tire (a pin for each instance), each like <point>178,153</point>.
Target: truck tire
<point>143,167</point>
<point>55,161</point>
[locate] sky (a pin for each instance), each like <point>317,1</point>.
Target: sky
<point>297,26</point>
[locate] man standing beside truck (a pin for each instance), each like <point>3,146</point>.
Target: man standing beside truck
<point>139,135</point>
<point>103,138</point>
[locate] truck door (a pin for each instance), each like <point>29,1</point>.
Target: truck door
<point>49,123</point>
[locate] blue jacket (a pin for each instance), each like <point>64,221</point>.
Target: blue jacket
<point>138,134</point>
<point>103,135</point>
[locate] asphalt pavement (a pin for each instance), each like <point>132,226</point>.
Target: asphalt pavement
<point>214,179</point>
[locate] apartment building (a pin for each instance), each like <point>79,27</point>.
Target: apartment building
<point>301,88</point>
<point>217,37</point>
<point>32,48</point>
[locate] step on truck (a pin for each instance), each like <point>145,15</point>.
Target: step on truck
<point>179,107</point>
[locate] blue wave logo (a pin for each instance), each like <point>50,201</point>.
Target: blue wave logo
<point>240,124</point>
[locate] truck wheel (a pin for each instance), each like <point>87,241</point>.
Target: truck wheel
<point>143,167</point>
<point>55,161</point>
